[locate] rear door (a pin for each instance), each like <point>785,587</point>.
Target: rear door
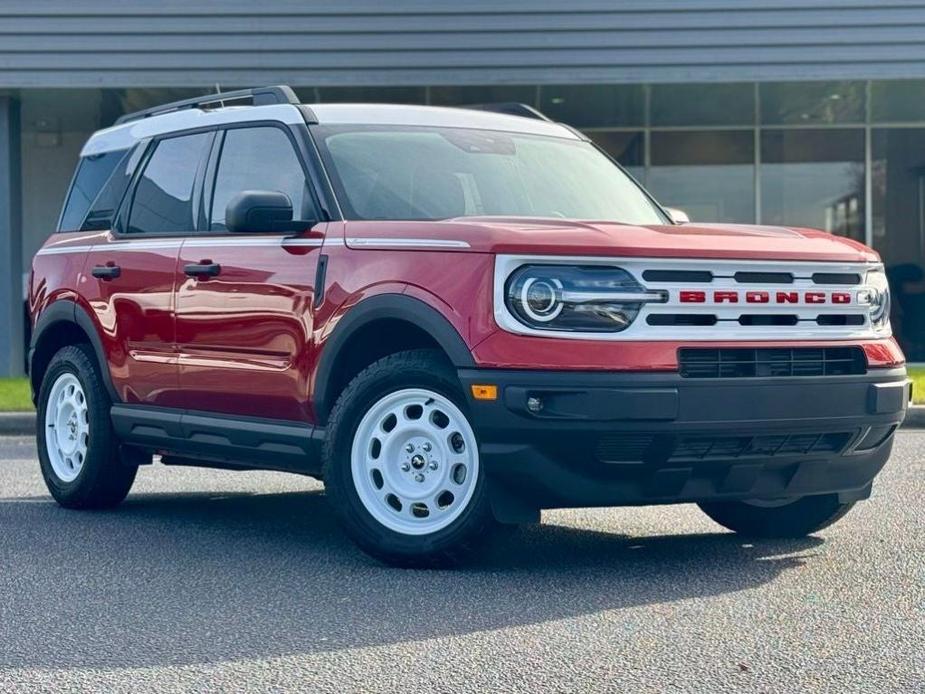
<point>132,269</point>
<point>244,301</point>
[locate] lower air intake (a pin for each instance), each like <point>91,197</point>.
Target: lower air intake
<point>770,362</point>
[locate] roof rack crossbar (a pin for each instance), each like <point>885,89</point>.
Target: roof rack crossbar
<point>260,96</point>
<point>511,108</point>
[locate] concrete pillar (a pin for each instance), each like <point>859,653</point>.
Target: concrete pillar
<point>11,283</point>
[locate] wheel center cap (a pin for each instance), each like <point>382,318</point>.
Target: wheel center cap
<point>418,462</point>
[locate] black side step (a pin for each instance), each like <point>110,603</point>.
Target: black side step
<point>252,442</point>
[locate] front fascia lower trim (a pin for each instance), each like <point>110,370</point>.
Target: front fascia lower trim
<point>727,328</point>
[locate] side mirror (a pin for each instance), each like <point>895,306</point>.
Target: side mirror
<point>255,211</point>
<point>677,216</point>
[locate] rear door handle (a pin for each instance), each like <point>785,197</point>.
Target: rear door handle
<point>106,272</point>
<point>202,269</point>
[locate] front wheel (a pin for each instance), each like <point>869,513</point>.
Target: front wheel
<point>785,518</point>
<point>402,464</point>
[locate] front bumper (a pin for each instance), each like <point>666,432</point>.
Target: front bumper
<point>610,439</point>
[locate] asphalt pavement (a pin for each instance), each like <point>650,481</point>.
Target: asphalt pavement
<point>208,580</point>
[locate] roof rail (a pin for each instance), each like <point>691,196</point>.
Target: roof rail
<point>260,96</point>
<point>511,108</point>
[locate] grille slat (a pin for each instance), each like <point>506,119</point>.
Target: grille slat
<point>771,362</point>
<point>836,278</point>
<point>636,448</point>
<point>677,276</point>
<point>724,447</point>
<point>763,277</point>
<point>623,447</point>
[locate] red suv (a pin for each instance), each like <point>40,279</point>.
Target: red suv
<point>454,317</point>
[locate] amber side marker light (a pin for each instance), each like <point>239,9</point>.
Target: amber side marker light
<point>485,392</point>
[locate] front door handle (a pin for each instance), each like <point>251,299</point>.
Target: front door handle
<point>106,272</point>
<point>202,269</point>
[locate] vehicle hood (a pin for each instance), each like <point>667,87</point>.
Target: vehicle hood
<point>509,235</point>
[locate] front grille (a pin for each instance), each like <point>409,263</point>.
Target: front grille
<point>652,448</point>
<point>751,299</point>
<point>770,362</point>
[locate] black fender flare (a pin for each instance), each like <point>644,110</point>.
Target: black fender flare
<point>386,307</point>
<point>67,311</point>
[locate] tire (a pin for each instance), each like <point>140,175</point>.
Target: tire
<point>78,452</point>
<point>797,518</point>
<point>409,491</point>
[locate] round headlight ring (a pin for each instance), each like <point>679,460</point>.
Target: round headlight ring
<point>540,298</point>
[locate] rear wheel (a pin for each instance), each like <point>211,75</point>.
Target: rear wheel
<point>778,518</point>
<point>402,463</point>
<point>78,454</point>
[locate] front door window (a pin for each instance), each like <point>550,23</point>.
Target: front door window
<point>257,159</point>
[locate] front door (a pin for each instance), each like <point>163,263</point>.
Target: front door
<point>133,271</point>
<point>244,302</point>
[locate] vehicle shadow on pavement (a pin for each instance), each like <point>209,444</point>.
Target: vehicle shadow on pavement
<point>199,578</point>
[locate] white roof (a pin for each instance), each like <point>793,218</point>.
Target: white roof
<point>436,116</point>
<point>125,135</point>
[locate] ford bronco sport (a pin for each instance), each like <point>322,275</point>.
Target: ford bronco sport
<point>454,317</point>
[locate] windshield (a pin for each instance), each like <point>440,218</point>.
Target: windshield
<point>425,173</point>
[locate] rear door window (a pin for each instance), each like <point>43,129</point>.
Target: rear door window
<point>163,200</point>
<point>92,174</point>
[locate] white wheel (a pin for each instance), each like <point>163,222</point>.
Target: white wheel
<point>78,454</point>
<point>414,461</point>
<point>67,427</point>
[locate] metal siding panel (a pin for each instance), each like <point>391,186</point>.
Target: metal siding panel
<point>485,22</point>
<point>456,40</point>
<point>420,42</point>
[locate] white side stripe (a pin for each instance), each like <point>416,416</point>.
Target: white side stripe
<point>272,242</point>
<point>405,243</point>
<point>138,245</point>
<point>302,242</point>
<point>61,250</point>
<point>132,245</point>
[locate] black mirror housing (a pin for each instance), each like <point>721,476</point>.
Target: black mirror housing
<point>256,211</point>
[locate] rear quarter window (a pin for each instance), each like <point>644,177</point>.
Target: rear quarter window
<point>93,172</point>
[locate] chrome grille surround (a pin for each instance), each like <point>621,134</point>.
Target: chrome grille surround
<point>830,277</point>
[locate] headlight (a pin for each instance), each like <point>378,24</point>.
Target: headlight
<point>876,296</point>
<point>576,298</point>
